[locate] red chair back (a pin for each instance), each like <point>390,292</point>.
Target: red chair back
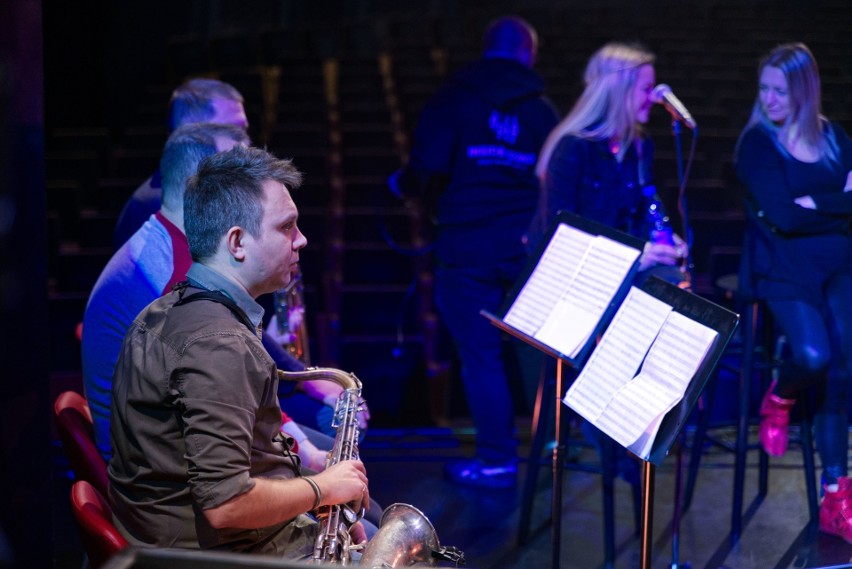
<point>100,538</point>
<point>74,425</point>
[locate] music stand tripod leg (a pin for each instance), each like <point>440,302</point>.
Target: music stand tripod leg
<point>647,513</point>
<point>678,510</point>
<point>558,469</point>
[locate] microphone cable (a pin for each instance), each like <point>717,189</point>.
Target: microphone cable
<point>398,350</point>
<point>381,207</point>
<point>681,201</point>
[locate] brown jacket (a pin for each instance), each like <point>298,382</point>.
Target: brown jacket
<point>195,417</point>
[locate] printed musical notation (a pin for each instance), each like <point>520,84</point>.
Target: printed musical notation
<point>570,288</point>
<point>665,347</point>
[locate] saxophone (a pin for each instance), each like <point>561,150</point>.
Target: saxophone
<point>333,543</point>
<point>287,299</point>
<point>406,536</point>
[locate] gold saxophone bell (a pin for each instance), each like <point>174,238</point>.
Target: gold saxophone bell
<point>406,538</point>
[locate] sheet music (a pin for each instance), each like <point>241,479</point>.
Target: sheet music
<point>552,274</point>
<point>671,364</point>
<point>619,353</point>
<point>678,351</point>
<point>633,415</point>
<point>603,268</point>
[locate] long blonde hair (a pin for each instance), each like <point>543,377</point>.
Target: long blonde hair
<point>799,67</point>
<point>603,111</point>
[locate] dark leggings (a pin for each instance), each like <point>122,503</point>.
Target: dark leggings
<point>820,342</point>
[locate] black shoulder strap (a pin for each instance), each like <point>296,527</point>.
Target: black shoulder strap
<point>217,296</point>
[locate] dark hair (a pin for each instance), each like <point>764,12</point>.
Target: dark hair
<point>193,101</point>
<point>511,37</point>
<point>184,149</point>
<point>227,192</point>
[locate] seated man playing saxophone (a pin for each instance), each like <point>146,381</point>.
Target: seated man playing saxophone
<point>198,460</point>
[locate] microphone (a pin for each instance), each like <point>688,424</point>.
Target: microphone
<point>663,95</point>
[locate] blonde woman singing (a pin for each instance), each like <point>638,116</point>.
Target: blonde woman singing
<point>597,162</point>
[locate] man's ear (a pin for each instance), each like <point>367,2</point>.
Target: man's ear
<point>234,240</point>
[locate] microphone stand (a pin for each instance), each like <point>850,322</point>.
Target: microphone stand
<point>682,174</point>
<point>687,269</point>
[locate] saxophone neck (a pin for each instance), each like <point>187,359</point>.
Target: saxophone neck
<point>346,380</point>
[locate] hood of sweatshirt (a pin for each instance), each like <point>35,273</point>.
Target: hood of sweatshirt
<point>498,81</point>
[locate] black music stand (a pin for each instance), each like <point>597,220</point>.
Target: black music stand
<point>590,228</point>
<point>723,322</point>
<point>720,320</point>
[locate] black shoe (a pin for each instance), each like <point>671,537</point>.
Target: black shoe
<point>475,472</point>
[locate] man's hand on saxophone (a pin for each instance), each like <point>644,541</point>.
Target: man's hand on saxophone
<point>346,483</point>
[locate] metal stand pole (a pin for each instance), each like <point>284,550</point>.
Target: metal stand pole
<point>647,513</point>
<point>749,331</point>
<point>676,514</point>
<point>558,469</point>
<point>681,201</point>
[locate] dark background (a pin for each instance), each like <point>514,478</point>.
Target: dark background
<point>106,69</point>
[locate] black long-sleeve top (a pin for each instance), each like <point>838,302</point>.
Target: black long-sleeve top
<point>792,250</point>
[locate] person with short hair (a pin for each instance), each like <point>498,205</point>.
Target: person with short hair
<point>796,167</point>
<point>198,458</point>
<point>206,100</point>
<point>155,259</point>
<point>473,157</point>
<point>194,101</point>
<point>202,100</point>
<point>145,267</point>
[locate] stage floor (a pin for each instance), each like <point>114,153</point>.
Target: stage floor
<point>484,523</point>
<point>406,466</point>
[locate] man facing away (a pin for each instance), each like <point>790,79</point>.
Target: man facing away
<point>473,155</point>
<point>198,460</point>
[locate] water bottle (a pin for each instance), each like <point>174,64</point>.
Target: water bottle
<point>658,222</point>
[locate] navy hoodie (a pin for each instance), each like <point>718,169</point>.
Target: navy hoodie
<point>475,149</point>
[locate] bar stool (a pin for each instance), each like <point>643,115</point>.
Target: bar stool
<point>542,417</point>
<point>763,358</point>
<point>757,358</point>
